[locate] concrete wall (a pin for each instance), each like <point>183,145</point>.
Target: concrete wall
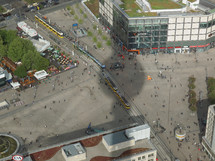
<point>119,146</point>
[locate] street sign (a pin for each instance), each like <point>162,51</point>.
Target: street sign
<point>17,158</point>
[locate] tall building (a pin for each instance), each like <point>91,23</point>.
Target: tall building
<point>143,26</point>
<point>208,141</point>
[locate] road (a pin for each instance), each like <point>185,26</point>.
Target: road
<point>207,3</point>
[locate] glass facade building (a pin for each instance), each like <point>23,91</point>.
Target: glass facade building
<point>167,34</point>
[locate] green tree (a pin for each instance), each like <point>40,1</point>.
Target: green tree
<point>108,43</point>
<point>27,59</point>
<point>20,71</point>
<point>76,17</point>
<point>3,49</point>
<point>81,11</point>
<point>40,63</point>
<point>211,97</point>
<point>94,39</point>
<point>104,37</point>
<point>89,33</point>
<point>8,36</point>
<point>100,32</point>
<point>72,12</point>
<point>99,44</point>
<point>15,50</point>
<point>80,21</point>
<point>68,8</point>
<point>85,15</point>
<point>94,27</point>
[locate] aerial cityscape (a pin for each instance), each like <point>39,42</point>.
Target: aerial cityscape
<point>107,80</point>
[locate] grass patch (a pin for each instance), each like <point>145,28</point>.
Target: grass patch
<point>192,1</point>
<point>150,14</point>
<point>93,5</point>
<point>163,4</point>
<point>13,146</point>
<point>130,7</point>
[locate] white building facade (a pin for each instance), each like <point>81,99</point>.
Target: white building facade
<point>168,33</point>
<point>208,141</point>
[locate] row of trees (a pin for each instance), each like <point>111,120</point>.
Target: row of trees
<point>192,94</point>
<point>18,49</point>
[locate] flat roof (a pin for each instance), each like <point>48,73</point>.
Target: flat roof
<point>138,128</point>
<point>73,149</point>
<point>116,138</point>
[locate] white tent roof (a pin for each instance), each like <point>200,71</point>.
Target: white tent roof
<point>27,29</point>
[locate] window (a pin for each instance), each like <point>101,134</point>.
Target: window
<point>164,26</point>
<point>143,157</point>
<point>155,27</point>
<point>139,158</point>
<point>151,155</point>
<point>209,23</point>
<point>163,32</point>
<point>102,2</point>
<point>203,25</point>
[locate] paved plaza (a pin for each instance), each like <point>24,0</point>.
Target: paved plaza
<point>60,109</point>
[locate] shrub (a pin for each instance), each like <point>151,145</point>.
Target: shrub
<point>191,79</point>
<point>191,86</point>
<point>81,11</point>
<point>192,101</point>
<point>192,94</point>
<point>193,108</point>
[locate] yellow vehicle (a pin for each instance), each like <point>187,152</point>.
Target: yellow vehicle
<point>51,28</point>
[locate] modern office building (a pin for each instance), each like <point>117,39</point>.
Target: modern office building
<point>148,26</point>
<point>208,141</point>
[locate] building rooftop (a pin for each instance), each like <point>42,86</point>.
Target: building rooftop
<point>150,8</point>
<point>73,149</point>
<point>100,150</point>
<point>115,138</point>
<point>164,4</point>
